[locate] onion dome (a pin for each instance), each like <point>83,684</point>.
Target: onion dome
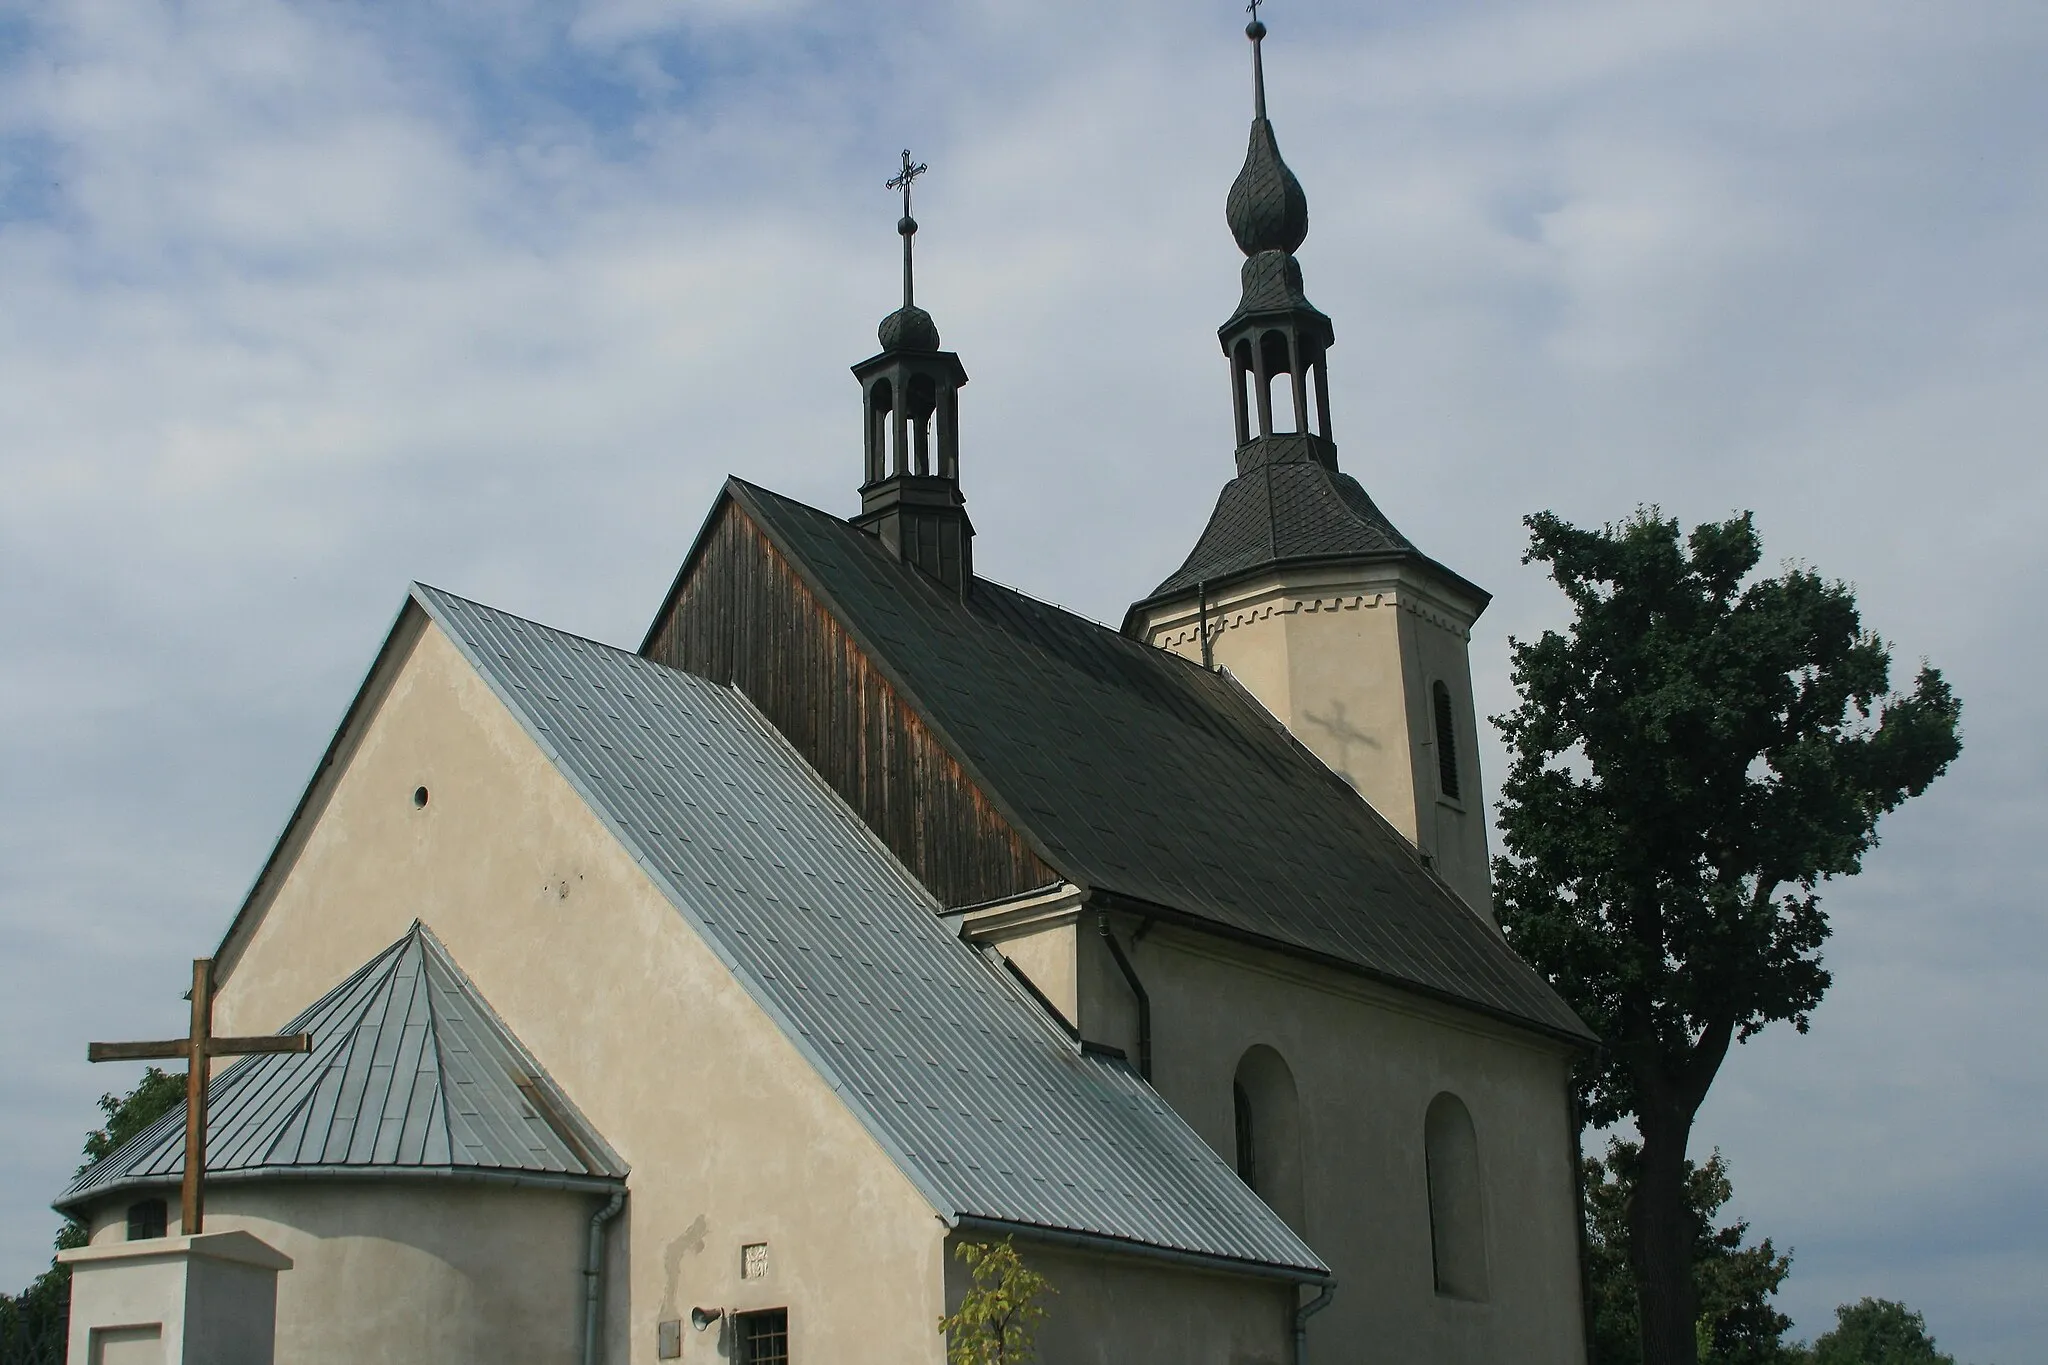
<point>1267,209</point>
<point>909,328</point>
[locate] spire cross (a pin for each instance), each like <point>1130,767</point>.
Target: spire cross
<point>907,225</point>
<point>909,174</point>
<point>198,1048</point>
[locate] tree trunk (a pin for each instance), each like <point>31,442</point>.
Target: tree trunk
<point>1661,1235</point>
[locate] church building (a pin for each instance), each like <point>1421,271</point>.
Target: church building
<point>698,1001</point>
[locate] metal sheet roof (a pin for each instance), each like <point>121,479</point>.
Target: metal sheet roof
<point>411,1072</point>
<point>982,1102</point>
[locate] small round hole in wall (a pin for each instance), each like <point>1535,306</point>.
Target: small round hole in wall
<point>419,797</point>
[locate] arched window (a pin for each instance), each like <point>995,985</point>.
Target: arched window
<point>1446,742</point>
<point>881,402</point>
<point>1457,1207</point>
<point>1269,1131</point>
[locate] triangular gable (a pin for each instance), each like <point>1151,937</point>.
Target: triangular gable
<point>836,694</point>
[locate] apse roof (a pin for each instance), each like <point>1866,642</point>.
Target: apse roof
<point>1140,774</point>
<point>411,1073</point>
<point>992,1111</point>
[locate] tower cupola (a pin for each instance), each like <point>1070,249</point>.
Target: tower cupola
<point>1353,638</point>
<point>1276,334</point>
<point>910,495</point>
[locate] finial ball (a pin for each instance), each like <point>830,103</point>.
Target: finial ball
<point>906,225</point>
<point>1255,30</point>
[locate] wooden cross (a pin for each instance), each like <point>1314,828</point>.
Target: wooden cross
<point>198,1049</point>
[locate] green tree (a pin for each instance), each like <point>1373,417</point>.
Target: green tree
<point>33,1323</point>
<point>1688,763</point>
<point>1000,1312</point>
<point>1732,1283</point>
<point>1878,1332</point>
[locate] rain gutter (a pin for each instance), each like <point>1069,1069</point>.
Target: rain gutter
<point>1099,1243</point>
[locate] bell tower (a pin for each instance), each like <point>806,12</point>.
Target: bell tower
<point>1299,585</point>
<point>910,401</point>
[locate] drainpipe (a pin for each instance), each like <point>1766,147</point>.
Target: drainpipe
<point>593,1273</point>
<point>1301,1317</point>
<point>1123,964</point>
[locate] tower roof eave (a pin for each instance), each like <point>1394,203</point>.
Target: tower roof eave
<point>1294,514</point>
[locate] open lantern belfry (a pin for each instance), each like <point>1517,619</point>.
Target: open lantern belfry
<point>198,1048</point>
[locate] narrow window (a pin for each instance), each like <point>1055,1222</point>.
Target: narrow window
<point>1446,743</point>
<point>764,1337</point>
<point>1268,1110</point>
<point>1247,1146</point>
<point>148,1219</point>
<point>1457,1213</point>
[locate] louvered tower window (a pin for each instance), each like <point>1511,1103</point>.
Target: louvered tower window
<point>1446,743</point>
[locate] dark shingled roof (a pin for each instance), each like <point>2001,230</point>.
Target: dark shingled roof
<point>1142,775</point>
<point>1286,511</point>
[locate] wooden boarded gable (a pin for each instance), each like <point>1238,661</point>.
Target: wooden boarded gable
<point>741,613</point>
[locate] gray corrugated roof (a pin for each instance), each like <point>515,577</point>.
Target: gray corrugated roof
<point>989,1109</point>
<point>1143,775</point>
<point>411,1072</point>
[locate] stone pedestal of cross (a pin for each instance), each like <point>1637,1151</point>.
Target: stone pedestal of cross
<point>198,1049</point>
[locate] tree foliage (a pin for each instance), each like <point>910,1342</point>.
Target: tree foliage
<point>1878,1332</point>
<point>33,1323</point>
<point>1688,763</point>
<point>1732,1282</point>
<point>1000,1312</point>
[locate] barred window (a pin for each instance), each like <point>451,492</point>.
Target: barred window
<point>1446,743</point>
<point>764,1337</point>
<point>150,1218</point>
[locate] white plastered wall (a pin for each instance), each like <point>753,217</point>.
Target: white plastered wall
<point>1126,1310</point>
<point>1346,659</point>
<point>1366,1061</point>
<point>391,1274</point>
<point>732,1136</point>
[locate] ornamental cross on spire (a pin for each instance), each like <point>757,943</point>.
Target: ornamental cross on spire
<point>904,180</point>
<point>1253,9</point>
<point>907,225</point>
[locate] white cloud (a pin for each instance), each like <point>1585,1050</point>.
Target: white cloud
<point>304,301</point>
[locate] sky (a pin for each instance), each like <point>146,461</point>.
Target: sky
<point>301,302</point>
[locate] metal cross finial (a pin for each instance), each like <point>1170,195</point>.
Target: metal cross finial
<point>1253,9</point>
<point>903,181</point>
<point>907,226</point>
